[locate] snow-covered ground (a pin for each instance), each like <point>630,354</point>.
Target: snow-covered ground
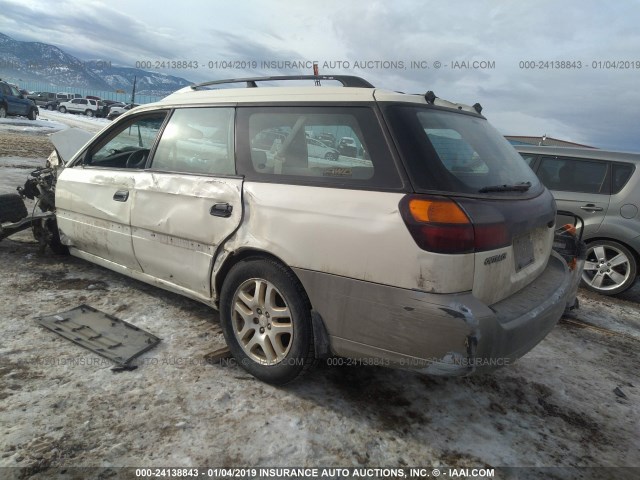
<point>573,401</point>
<point>43,125</point>
<point>90,124</point>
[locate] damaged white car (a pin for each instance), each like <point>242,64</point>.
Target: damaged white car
<point>429,247</point>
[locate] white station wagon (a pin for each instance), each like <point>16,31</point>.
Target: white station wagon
<point>429,246</point>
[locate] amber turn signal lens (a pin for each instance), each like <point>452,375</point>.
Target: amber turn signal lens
<point>437,211</point>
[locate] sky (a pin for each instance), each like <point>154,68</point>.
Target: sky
<point>568,69</point>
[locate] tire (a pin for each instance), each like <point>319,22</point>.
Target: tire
<point>32,114</point>
<point>610,267</point>
<point>50,107</point>
<point>331,156</point>
<point>88,113</point>
<point>259,287</point>
<point>12,208</point>
<point>3,111</point>
<point>62,109</point>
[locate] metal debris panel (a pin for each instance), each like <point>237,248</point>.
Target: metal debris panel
<point>101,333</point>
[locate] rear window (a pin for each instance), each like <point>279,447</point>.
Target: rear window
<point>446,151</point>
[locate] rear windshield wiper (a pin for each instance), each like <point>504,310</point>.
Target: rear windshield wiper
<point>518,187</point>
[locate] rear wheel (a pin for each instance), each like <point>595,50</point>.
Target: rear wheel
<point>32,114</point>
<point>3,111</point>
<point>266,320</point>
<point>49,107</point>
<point>88,113</point>
<point>610,267</point>
<point>62,110</point>
<point>12,208</point>
<point>331,156</point>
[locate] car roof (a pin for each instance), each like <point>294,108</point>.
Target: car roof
<point>591,153</point>
<point>191,96</point>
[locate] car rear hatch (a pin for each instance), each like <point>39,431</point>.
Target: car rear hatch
<point>473,194</point>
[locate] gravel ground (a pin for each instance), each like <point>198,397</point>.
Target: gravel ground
<point>571,402</point>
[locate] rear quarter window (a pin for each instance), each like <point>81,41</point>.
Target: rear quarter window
<point>621,175</point>
<point>287,144</point>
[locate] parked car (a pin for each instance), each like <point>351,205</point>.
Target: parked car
<point>42,98</point>
<point>603,187</point>
<point>318,149</point>
<point>80,105</point>
<point>347,146</point>
<point>51,105</point>
<point>115,111</point>
<point>434,253</point>
<point>12,102</point>
<point>328,139</point>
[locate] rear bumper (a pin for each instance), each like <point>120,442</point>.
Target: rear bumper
<point>452,334</point>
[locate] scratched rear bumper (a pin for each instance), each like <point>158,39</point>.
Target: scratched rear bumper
<point>454,334</point>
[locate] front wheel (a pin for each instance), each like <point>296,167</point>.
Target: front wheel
<point>3,111</point>
<point>62,110</point>
<point>609,268</point>
<point>89,113</point>
<point>266,320</point>
<point>331,156</point>
<point>32,114</point>
<point>50,107</point>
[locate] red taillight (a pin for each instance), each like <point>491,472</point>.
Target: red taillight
<point>440,225</point>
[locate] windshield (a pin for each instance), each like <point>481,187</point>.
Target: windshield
<point>451,152</point>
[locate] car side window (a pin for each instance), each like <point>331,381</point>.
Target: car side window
<point>128,144</point>
<point>573,175</point>
<point>199,141</point>
<point>529,158</point>
<point>318,145</point>
<point>621,175</point>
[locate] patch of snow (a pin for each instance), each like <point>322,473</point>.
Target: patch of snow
<point>24,125</point>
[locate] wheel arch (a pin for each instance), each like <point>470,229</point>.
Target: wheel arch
<point>635,253</point>
<point>322,344</point>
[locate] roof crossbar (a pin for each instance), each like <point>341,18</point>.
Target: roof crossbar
<point>345,80</point>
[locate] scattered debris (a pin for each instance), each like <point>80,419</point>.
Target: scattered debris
<point>619,392</point>
<point>101,333</point>
<point>217,355</point>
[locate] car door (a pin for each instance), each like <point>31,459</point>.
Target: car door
<point>189,200</point>
<point>77,105</point>
<point>15,105</point>
<point>580,186</point>
<point>94,193</point>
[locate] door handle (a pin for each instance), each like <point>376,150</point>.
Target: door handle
<point>221,210</point>
<point>590,207</point>
<point>121,196</point>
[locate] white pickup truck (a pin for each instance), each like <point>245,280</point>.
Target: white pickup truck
<point>80,105</point>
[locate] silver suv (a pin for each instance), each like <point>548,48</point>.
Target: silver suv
<point>427,247</point>
<point>603,188</point>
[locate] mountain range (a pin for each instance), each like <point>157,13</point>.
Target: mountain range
<point>45,63</point>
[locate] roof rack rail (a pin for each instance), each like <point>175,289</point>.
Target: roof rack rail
<point>345,80</point>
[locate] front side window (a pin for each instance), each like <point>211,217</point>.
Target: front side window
<point>199,141</point>
<point>573,175</point>
<point>454,152</point>
<point>340,145</point>
<point>127,145</point>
